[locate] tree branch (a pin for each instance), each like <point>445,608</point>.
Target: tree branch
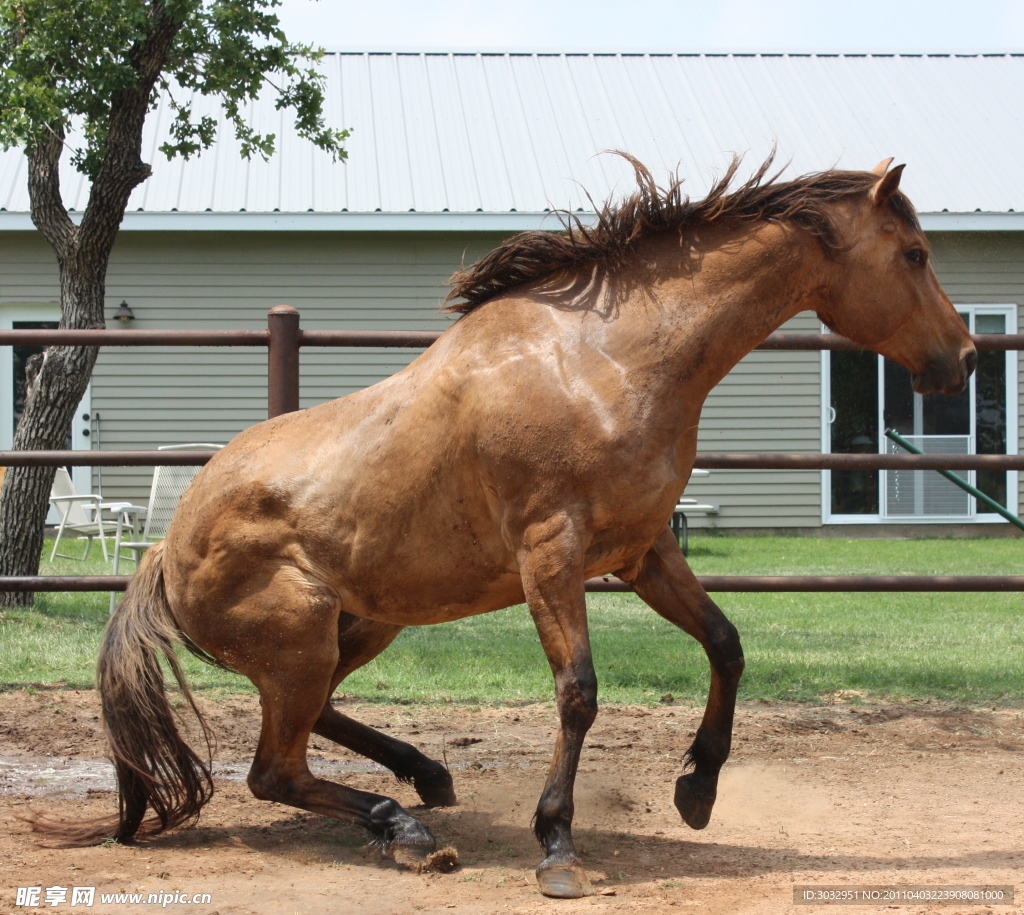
<point>123,168</point>
<point>47,209</point>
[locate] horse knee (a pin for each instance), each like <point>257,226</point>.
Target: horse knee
<point>724,649</point>
<point>577,700</point>
<point>586,715</point>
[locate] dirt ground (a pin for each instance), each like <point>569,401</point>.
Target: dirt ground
<point>851,793</point>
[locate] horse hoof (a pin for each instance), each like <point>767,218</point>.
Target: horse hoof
<point>436,794</point>
<point>564,881</point>
<point>421,859</point>
<point>695,799</point>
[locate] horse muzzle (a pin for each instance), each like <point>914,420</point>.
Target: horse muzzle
<point>944,376</point>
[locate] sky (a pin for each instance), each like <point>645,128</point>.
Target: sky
<point>658,25</point>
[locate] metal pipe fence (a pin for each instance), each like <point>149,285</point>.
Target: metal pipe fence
<point>711,460</point>
<point>284,338</point>
<point>774,584</point>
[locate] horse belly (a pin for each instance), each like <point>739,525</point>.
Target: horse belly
<point>425,599</point>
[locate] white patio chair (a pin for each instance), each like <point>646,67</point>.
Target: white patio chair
<point>82,515</point>
<point>169,485</point>
<point>680,526</point>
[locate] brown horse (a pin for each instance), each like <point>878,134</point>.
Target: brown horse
<point>544,438</point>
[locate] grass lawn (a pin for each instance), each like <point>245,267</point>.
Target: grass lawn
<point>956,647</point>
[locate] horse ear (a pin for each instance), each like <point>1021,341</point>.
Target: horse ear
<point>882,167</point>
<point>886,186</point>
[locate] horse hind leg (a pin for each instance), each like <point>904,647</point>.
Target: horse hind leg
<point>292,703</point>
<point>359,642</point>
<point>280,773</point>
<point>295,625</point>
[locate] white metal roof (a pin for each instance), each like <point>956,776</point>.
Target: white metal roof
<point>491,140</point>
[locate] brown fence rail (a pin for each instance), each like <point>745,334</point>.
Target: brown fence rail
<point>283,338</point>
<point>719,583</point>
<point>711,460</point>
<point>387,338</point>
<point>770,461</point>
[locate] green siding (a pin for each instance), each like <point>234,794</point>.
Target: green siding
<point>337,281</point>
<point>149,396</point>
<point>771,401</point>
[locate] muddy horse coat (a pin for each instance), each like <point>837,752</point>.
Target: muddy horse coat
<point>543,439</point>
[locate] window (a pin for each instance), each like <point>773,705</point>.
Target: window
<point>864,395</point>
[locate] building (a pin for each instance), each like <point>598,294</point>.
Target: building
<point>450,153</point>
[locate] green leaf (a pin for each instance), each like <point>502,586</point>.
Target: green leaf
<point>72,66</point>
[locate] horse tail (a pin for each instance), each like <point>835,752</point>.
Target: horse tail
<point>155,767</point>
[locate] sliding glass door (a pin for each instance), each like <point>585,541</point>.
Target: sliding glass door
<point>864,395</point>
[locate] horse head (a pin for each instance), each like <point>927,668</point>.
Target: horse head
<point>886,295</point>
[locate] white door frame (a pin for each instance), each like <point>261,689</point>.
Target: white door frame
<point>81,428</point>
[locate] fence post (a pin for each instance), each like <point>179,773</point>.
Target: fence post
<point>283,360</point>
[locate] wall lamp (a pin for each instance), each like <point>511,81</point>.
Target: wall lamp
<point>123,314</point>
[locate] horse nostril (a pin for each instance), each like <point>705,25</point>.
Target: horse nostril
<point>970,363</point>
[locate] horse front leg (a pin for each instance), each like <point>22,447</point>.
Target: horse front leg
<point>552,571</point>
<point>664,581</point>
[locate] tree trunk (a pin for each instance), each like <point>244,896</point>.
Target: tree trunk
<point>44,426</point>
<point>83,253</point>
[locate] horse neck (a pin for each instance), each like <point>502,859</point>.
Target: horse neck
<point>720,297</point>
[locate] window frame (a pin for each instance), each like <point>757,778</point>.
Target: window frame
<point>1009,311</point>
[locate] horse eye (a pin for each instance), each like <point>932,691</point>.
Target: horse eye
<point>916,257</point>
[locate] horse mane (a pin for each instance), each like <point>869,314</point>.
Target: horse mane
<point>610,243</point>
